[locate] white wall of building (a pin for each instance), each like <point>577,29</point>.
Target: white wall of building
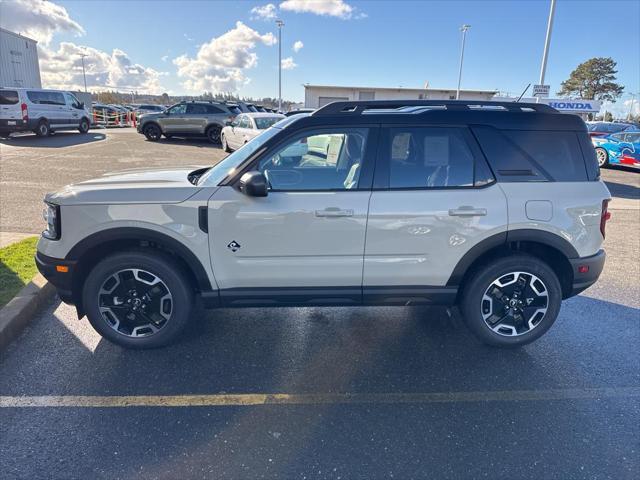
<point>19,65</point>
<point>316,96</point>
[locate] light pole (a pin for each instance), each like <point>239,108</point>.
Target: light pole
<point>633,99</point>
<point>463,29</point>
<point>280,24</point>
<point>84,76</point>
<point>547,41</point>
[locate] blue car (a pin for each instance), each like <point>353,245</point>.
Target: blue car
<point>621,148</point>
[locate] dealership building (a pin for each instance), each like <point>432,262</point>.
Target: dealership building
<point>316,96</point>
<point>19,66</point>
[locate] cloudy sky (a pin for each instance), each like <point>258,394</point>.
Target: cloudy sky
<point>191,46</point>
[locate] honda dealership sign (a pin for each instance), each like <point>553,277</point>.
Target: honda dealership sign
<point>564,105</point>
<point>573,106</point>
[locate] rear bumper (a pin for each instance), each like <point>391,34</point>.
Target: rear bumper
<point>584,279</point>
<point>63,281</point>
<point>11,126</point>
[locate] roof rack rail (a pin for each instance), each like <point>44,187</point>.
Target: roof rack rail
<point>359,107</point>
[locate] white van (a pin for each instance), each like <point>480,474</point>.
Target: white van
<point>41,111</point>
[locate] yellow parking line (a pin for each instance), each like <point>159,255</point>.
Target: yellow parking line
<point>222,400</point>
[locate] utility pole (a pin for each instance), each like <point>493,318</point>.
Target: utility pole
<point>280,24</point>
<point>463,29</point>
<point>633,99</point>
<point>545,54</point>
<point>84,76</point>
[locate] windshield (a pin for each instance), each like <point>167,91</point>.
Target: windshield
<point>224,168</point>
<point>265,122</point>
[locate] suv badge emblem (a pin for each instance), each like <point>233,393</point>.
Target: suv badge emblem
<point>234,246</point>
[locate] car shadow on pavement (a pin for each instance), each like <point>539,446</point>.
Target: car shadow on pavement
<point>57,140</point>
<point>623,190</point>
<point>321,350</point>
<point>189,142</point>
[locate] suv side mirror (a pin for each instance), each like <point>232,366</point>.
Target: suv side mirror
<point>254,184</point>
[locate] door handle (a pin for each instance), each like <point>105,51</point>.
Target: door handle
<point>467,211</point>
<point>334,212</point>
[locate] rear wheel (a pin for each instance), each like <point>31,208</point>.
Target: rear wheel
<point>84,126</point>
<point>43,129</point>
<point>213,134</point>
<point>138,299</point>
<point>603,157</point>
<point>152,132</point>
<point>511,301</point>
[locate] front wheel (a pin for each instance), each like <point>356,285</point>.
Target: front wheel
<point>511,301</point>
<point>602,156</point>
<point>225,145</point>
<point>84,126</point>
<point>138,299</point>
<point>152,132</point>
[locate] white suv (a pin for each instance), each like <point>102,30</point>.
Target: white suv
<point>495,207</point>
<point>41,111</point>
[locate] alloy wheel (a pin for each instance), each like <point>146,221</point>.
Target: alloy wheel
<point>135,302</point>
<point>515,304</point>
<point>601,154</point>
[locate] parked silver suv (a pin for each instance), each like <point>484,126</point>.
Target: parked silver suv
<point>495,207</point>
<point>188,119</point>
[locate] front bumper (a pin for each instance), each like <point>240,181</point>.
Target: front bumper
<point>63,281</point>
<point>584,279</point>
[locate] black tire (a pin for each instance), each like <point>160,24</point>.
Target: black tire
<point>602,156</point>
<point>152,132</point>
<point>474,305</point>
<point>154,264</point>
<point>84,125</point>
<point>225,145</point>
<point>213,134</point>
<point>43,129</point>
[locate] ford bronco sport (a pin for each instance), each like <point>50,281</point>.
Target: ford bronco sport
<point>495,207</point>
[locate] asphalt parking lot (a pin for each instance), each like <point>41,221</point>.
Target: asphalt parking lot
<point>317,392</point>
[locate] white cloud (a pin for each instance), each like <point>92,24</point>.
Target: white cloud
<point>37,19</point>
<point>333,8</point>
<point>288,63</point>
<point>164,58</point>
<point>620,109</point>
<point>62,68</point>
<point>265,12</point>
<point>219,64</point>
<point>298,46</point>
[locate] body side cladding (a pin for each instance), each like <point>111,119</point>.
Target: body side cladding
<point>143,235</point>
<point>503,239</point>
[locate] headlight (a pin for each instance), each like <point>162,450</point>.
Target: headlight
<point>51,215</point>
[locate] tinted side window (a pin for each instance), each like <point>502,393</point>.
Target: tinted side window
<point>196,109</point>
<point>211,109</point>
<point>428,157</point>
<point>556,153</point>
<point>8,97</point>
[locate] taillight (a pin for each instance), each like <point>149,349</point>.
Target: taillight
<point>25,112</point>
<point>606,215</point>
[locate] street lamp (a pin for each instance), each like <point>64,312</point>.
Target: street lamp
<point>463,29</point>
<point>280,24</point>
<point>84,76</point>
<point>547,41</point>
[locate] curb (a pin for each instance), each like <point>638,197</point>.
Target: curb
<point>21,309</point>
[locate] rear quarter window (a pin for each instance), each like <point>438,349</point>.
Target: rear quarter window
<point>8,97</point>
<point>531,155</point>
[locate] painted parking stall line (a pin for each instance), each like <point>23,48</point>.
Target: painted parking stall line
<point>253,399</point>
